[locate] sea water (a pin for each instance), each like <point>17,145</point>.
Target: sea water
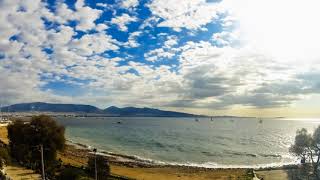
<point>221,142</point>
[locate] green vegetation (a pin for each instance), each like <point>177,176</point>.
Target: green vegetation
<point>4,156</point>
<point>25,140</point>
<point>307,147</point>
<point>4,159</point>
<point>71,173</point>
<point>103,168</point>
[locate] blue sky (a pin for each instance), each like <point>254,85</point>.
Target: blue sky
<point>201,56</point>
<point>149,38</point>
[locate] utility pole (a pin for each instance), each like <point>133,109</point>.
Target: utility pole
<point>42,162</point>
<point>1,118</point>
<point>95,164</point>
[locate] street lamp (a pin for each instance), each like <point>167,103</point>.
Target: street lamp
<point>95,163</point>
<point>41,150</point>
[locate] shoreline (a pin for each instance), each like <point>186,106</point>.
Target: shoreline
<point>136,161</point>
<point>78,157</point>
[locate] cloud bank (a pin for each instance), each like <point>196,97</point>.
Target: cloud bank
<point>173,54</point>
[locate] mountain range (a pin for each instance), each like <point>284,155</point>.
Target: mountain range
<point>88,109</point>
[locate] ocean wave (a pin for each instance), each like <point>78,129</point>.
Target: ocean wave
<point>223,138</point>
<point>210,153</point>
<point>214,165</point>
<point>211,165</point>
<point>271,155</point>
<point>236,153</point>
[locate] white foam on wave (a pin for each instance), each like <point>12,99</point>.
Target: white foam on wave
<point>213,165</point>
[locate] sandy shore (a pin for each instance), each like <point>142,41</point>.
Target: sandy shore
<point>78,156</point>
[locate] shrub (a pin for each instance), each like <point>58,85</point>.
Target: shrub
<point>71,173</point>
<point>103,167</point>
<point>4,156</point>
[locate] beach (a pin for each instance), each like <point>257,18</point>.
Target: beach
<point>77,155</point>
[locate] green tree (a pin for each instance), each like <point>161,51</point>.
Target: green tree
<point>307,147</point>
<point>103,167</point>
<point>25,140</point>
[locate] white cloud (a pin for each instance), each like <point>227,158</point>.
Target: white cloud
<point>61,37</point>
<point>165,52</point>
<point>90,44</point>
<point>123,20</point>
<point>226,38</point>
<point>26,68</point>
<point>102,5</point>
<point>158,54</point>
<point>18,87</point>
<point>101,27</point>
<point>221,77</point>
<point>129,4</point>
<point>84,15</point>
<point>187,14</point>
<point>149,22</point>
<point>171,41</point>
<point>132,40</point>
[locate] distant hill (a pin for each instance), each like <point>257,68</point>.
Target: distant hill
<point>80,108</point>
<point>48,107</point>
<point>133,111</point>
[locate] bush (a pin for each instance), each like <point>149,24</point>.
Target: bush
<point>4,156</point>
<point>71,173</point>
<point>103,167</point>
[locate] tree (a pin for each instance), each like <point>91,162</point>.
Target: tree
<point>307,147</point>
<point>25,140</point>
<point>103,168</point>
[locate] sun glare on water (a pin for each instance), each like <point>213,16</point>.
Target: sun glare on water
<point>288,30</point>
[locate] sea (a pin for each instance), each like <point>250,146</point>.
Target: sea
<point>217,143</point>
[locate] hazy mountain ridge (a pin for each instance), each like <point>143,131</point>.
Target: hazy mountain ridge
<point>81,108</point>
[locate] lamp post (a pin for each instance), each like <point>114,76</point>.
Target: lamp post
<point>41,151</point>
<point>42,162</point>
<point>95,164</point>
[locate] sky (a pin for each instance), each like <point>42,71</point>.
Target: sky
<point>212,57</point>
